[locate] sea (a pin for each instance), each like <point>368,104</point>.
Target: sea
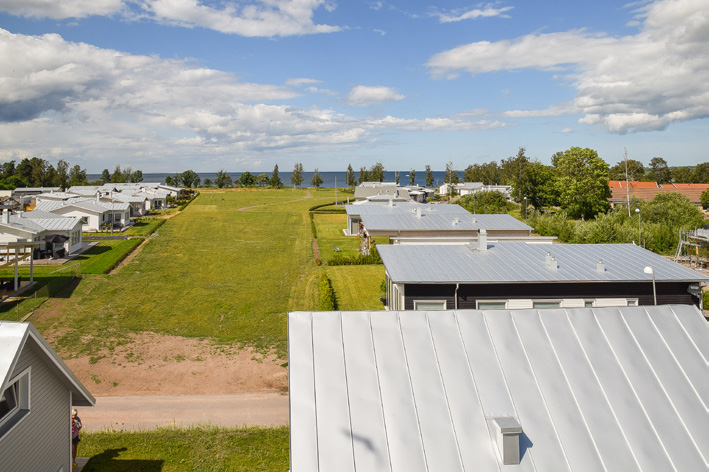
<point>330,179</point>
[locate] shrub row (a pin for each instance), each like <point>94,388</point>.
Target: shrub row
<point>356,259</point>
<point>316,207</point>
<point>312,226</point>
<point>328,302</point>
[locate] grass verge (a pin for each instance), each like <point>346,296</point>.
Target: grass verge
<point>187,449</point>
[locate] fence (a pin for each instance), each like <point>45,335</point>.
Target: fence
<point>21,307</point>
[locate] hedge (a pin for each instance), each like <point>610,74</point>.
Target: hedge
<point>328,302</point>
<point>357,259</point>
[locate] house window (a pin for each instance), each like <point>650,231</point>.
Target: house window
<point>492,305</point>
<point>546,304</point>
<point>15,402</point>
<point>633,302</point>
<point>429,305</point>
<point>85,220</point>
<point>588,303</point>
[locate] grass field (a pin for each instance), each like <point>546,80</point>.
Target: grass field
<point>204,449</point>
<point>229,268</point>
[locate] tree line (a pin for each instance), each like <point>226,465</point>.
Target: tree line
<point>37,172</point>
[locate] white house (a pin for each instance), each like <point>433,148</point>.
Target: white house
<point>37,393</point>
<point>94,213</point>
<point>57,234</point>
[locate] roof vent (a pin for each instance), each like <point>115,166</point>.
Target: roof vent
<point>508,439</point>
<point>601,267</point>
<point>456,221</point>
<point>6,216</point>
<point>418,212</point>
<point>475,220</point>
<point>482,240</point>
<point>552,263</point>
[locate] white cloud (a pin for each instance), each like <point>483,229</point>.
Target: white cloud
<point>61,9</point>
<point>75,101</point>
<point>633,83</point>
<point>486,11</point>
<point>362,95</point>
<point>300,81</point>
<point>266,18</point>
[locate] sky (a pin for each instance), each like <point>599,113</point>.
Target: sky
<point>171,85</point>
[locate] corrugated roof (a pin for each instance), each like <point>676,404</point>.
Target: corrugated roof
<point>593,389</point>
<point>49,221</point>
<point>520,262</point>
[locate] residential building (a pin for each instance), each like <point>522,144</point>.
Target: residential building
<point>582,389</point>
<point>37,394</point>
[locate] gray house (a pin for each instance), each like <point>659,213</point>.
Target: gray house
<point>583,390</point>
<point>38,392</point>
<point>509,275</point>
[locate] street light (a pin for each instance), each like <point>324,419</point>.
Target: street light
<point>649,270</point>
<point>525,208</point>
<point>637,210</point>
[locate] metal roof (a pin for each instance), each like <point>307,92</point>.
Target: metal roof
<point>592,389</point>
<point>13,338</point>
<point>437,221</point>
<point>406,208</point>
<point>521,262</point>
<point>50,221</point>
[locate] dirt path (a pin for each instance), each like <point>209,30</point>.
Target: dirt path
<point>316,249</point>
<point>129,258</point>
<point>142,413</point>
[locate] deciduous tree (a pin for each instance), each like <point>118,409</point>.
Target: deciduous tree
<point>296,177</point>
<point>659,172</point>
<point>317,180</point>
<point>582,182</point>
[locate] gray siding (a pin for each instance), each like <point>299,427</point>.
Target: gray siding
<point>42,440</point>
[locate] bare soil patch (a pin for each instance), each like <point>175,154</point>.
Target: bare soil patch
<point>154,364</point>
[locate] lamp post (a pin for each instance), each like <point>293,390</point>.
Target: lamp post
<point>525,208</point>
<point>649,270</point>
<point>640,242</point>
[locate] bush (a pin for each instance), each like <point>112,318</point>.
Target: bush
<point>356,259</point>
<point>313,229</point>
<point>705,302</point>
<point>328,302</point>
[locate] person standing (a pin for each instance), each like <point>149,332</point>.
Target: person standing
<point>75,435</point>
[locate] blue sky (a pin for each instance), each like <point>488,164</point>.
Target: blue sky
<point>170,85</point>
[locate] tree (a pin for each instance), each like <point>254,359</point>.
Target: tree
<point>136,177</point>
<point>23,172</point>
<point>222,179</point>
<point>673,210</point>
<point>376,172</point>
<point>38,172</point>
<point>451,176</point>
<point>296,177</point>
<point>190,179</point>
<point>106,177</point>
<point>700,174</point>
<point>275,178</point>
<point>659,172</point>
<point>61,178</point>
<point>412,177</point>
<point>540,185</point>
<point>513,173</point>
<point>77,176</point>
<point>118,176</point>
<point>207,182</point>
<point>247,180</point>
<point>7,170</point>
<point>169,180</point>
<point>350,177</point>
<point>636,171</point>
<point>704,199</point>
<point>493,202</point>
<point>317,180</point>
<point>582,182</point>
<point>262,180</point>
<point>363,175</point>
<point>429,176</point>
<point>396,177</point>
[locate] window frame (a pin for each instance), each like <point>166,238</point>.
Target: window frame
<point>22,383</point>
<point>444,302</point>
<point>479,302</point>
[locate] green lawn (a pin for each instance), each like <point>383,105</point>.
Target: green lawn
<point>229,268</point>
<point>357,287</point>
<point>204,449</point>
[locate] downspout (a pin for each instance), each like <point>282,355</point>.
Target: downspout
<point>456,295</point>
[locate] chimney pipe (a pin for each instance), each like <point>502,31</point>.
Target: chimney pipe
<point>508,439</point>
<point>6,216</point>
<point>482,240</point>
<point>600,266</point>
<point>418,212</point>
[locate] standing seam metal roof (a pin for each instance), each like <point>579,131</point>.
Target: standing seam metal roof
<point>520,262</point>
<point>593,389</point>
